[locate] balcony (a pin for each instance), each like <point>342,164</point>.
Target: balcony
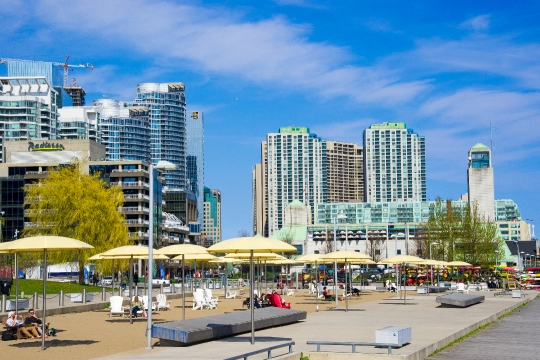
<point>135,209</point>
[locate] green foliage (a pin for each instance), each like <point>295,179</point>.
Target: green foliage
<point>461,234</point>
<point>28,287</point>
<point>80,206</point>
<point>302,357</point>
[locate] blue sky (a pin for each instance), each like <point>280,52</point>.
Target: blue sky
<point>446,69</point>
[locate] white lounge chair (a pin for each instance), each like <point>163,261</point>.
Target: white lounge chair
<point>462,288</point>
<point>198,301</point>
<point>162,302</point>
<point>289,292</point>
<point>230,294</point>
<point>320,291</point>
<point>213,301</point>
<point>144,300</point>
<point>116,306</point>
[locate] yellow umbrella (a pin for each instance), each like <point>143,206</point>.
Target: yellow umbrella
<point>104,257</point>
<point>458,263</point>
<point>402,259</point>
<point>224,259</point>
<point>345,256</point>
<point>245,257</point>
<point>39,244</point>
<point>251,245</point>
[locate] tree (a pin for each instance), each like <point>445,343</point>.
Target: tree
<point>76,205</point>
<point>374,244</point>
<point>243,233</point>
<point>461,234</point>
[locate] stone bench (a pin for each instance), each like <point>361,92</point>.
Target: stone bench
<point>187,332</point>
<point>460,300</point>
<point>432,289</point>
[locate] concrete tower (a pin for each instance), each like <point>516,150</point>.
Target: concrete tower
<point>480,180</point>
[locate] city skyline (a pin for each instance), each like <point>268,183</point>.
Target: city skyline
<point>458,77</point>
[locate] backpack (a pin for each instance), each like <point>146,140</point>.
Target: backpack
<point>9,335</point>
<point>52,332</point>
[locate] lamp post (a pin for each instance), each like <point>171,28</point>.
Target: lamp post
<point>340,216</point>
<point>161,165</point>
<point>521,260</point>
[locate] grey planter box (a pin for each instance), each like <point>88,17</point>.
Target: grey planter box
<point>398,335</point>
<point>78,297</point>
<point>22,304</point>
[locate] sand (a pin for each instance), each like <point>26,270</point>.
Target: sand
<point>93,334</point>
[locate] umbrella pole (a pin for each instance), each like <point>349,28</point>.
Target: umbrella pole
<point>129,291</point>
<point>265,278</point>
<point>251,283</point>
<point>317,287</point>
<point>345,292</point>
<point>183,289</point>
<point>112,292</point>
<point>404,293</point>
<point>16,285</point>
<point>44,299</point>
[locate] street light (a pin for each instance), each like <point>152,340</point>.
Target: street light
<point>340,216</point>
<point>522,259</point>
<point>161,165</point>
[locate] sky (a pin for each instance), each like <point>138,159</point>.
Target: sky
<point>457,73</point>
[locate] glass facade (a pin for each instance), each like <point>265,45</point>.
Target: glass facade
<point>125,130</point>
<point>195,159</point>
<point>167,116</point>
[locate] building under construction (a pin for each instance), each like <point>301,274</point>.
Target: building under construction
<point>77,94</point>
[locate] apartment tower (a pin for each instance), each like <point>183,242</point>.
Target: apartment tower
<point>395,164</point>
<point>345,172</point>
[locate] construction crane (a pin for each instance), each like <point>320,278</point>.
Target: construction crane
<point>65,65</point>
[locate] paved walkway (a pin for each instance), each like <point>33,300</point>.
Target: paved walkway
<point>513,337</point>
<point>433,327</point>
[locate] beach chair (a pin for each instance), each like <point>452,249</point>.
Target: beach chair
<point>162,302</point>
<point>462,288</point>
<point>289,292</point>
<point>320,291</point>
<point>312,288</point>
<point>144,300</point>
<point>230,294</point>
<point>210,299</point>
<point>199,302</point>
<point>116,306</point>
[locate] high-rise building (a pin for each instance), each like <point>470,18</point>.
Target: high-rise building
<point>394,163</point>
<point>28,109</point>
<point>51,72</point>
<point>480,180</point>
<point>345,172</point>
<point>78,122</point>
<point>125,130</point>
<point>195,159</point>
<point>293,167</point>
<point>211,233</point>
<point>167,112</point>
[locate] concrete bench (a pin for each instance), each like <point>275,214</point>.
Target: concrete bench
<point>187,332</point>
<point>460,300</point>
<point>432,289</point>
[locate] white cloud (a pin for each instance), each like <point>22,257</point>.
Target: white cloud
<point>479,23</point>
<point>270,52</point>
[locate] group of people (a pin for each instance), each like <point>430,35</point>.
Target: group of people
<point>30,327</point>
<point>268,299</point>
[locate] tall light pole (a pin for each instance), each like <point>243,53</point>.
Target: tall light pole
<point>161,165</point>
<point>340,216</point>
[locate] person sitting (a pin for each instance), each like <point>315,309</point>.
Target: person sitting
<point>354,291</point>
<point>28,331</point>
<point>279,302</point>
<point>256,301</point>
<point>326,295</point>
<point>264,300</point>
<point>136,306</point>
<point>34,321</point>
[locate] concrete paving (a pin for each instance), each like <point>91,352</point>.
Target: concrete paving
<point>433,327</point>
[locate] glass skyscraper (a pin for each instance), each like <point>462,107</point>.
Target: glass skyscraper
<point>195,159</point>
<point>125,130</point>
<point>167,114</point>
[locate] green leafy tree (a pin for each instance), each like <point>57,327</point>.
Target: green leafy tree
<point>461,234</point>
<point>80,206</point>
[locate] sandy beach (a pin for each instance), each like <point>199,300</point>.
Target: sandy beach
<point>94,334</point>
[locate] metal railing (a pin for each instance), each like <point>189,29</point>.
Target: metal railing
<point>353,344</point>
<point>267,349</point>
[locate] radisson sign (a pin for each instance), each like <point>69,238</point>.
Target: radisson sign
<point>45,146</point>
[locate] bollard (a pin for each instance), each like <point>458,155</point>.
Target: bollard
<point>161,288</point>
<point>36,300</point>
<point>103,294</point>
<point>3,303</point>
<point>84,296</point>
<point>61,298</point>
